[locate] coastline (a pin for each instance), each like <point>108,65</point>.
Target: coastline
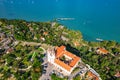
<point>88,34</point>
<point>56,35</point>
<point>91,37</point>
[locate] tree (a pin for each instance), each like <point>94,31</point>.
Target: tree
<point>54,77</point>
<point>77,77</point>
<point>111,44</point>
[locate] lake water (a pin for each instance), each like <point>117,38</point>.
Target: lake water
<point>94,18</point>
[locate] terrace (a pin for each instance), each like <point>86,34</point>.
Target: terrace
<point>65,59</point>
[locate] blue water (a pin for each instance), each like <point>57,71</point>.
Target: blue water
<point>94,18</point>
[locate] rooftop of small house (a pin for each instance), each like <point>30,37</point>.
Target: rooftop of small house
<point>45,33</point>
<point>117,74</point>
<point>102,50</point>
<point>92,76</point>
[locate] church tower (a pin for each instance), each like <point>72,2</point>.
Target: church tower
<point>50,55</point>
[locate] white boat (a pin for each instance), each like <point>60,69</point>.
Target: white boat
<point>98,39</point>
<point>58,19</point>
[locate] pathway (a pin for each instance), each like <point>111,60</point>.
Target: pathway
<point>25,68</point>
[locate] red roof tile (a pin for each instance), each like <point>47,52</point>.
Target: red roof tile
<point>93,76</point>
<point>62,64</point>
<point>102,50</point>
<point>60,52</point>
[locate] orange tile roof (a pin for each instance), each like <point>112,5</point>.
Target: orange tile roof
<point>102,50</point>
<point>93,76</point>
<point>63,65</point>
<point>73,62</point>
<point>45,33</point>
<point>76,43</point>
<point>60,52</point>
<point>69,54</point>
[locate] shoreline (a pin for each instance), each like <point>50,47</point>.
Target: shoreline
<point>86,37</point>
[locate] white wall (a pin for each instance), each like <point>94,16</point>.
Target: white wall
<point>65,71</point>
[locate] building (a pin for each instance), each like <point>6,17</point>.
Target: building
<point>63,59</point>
<point>45,33</point>
<point>2,36</point>
<point>9,50</point>
<point>102,51</point>
<point>117,74</point>
<point>92,76</point>
<point>76,43</point>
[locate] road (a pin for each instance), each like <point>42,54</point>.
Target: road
<point>30,43</point>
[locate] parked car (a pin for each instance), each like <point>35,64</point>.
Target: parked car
<point>53,71</point>
<point>50,74</point>
<point>45,65</point>
<point>44,72</point>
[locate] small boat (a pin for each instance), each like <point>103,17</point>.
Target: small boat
<point>58,19</point>
<point>98,39</point>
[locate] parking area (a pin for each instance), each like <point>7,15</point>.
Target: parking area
<point>47,69</point>
<point>58,72</point>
